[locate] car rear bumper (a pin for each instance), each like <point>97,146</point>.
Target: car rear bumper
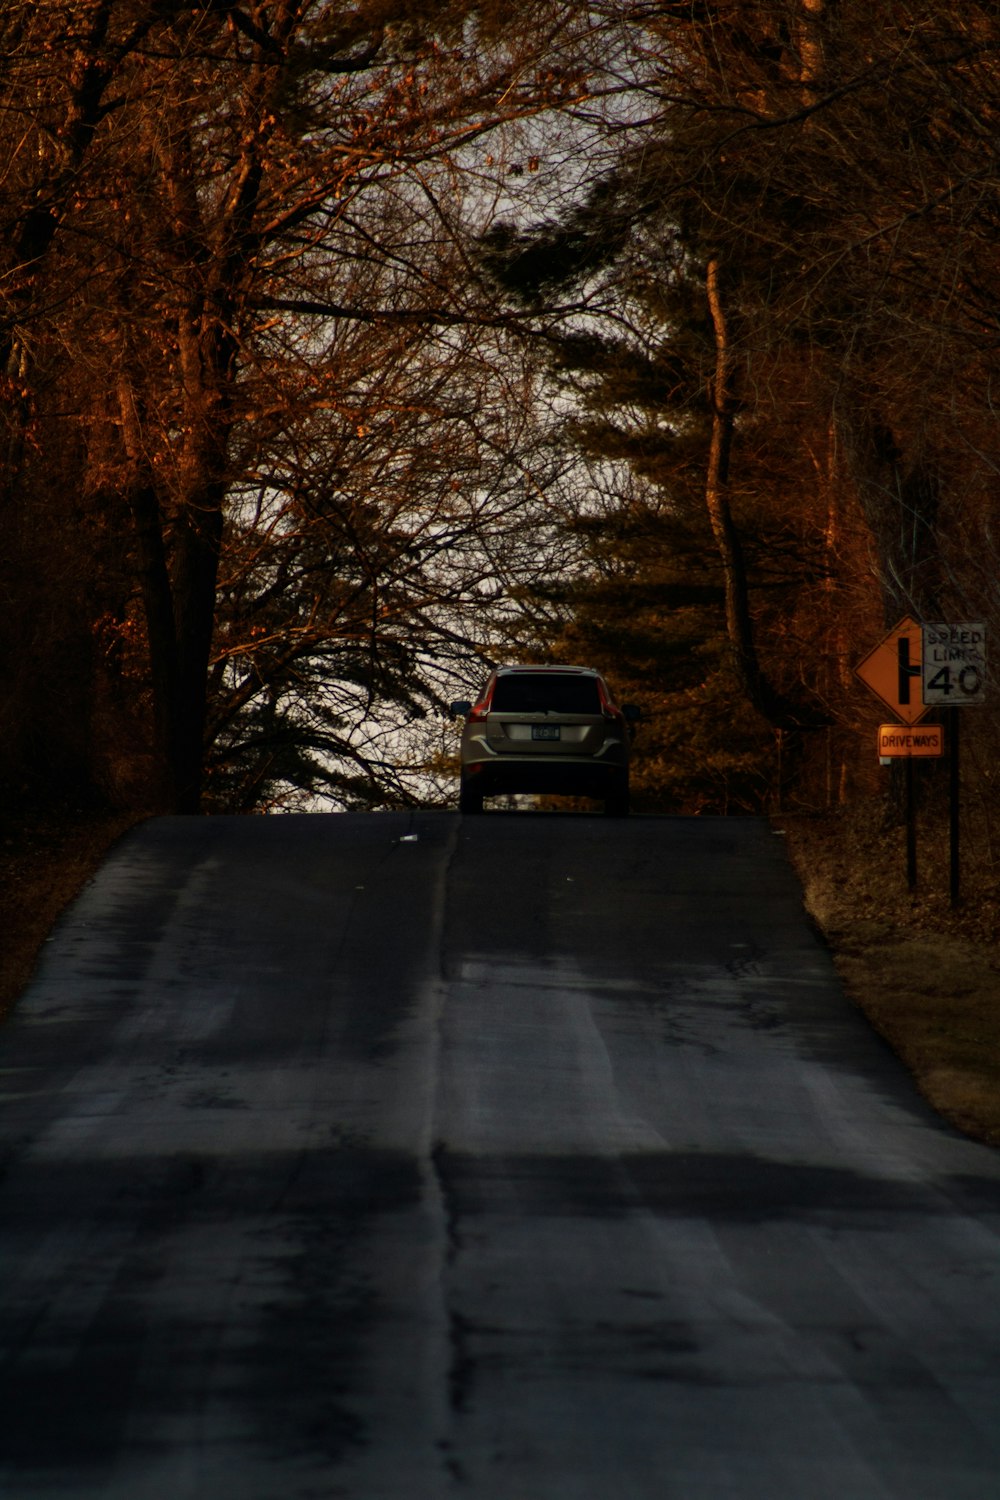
<point>552,775</point>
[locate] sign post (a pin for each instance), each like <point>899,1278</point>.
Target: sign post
<point>893,673</point>
<point>953,674</point>
<point>915,668</point>
<point>954,821</point>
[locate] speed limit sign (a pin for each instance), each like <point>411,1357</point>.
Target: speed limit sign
<point>953,665</point>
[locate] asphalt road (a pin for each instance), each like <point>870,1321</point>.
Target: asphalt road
<point>510,1158</point>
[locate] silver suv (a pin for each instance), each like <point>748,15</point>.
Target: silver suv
<point>546,729</point>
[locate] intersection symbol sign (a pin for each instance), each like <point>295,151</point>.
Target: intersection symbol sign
<point>893,671</point>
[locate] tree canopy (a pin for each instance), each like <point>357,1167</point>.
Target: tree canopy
<point>792,236</point>
<point>347,350</point>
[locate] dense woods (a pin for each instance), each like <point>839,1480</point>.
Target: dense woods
<point>258,466</point>
<point>350,349</point>
<point>797,234</point>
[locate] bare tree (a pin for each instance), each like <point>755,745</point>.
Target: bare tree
<point>241,183</point>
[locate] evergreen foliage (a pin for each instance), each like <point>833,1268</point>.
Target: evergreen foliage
<point>347,352</point>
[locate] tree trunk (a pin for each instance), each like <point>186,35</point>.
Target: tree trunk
<point>781,712</point>
<point>739,626</point>
<point>179,605</point>
<point>197,570</point>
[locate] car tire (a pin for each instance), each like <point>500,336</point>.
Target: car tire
<point>616,803</point>
<point>470,799</point>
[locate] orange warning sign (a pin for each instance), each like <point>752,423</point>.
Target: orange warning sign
<point>892,671</point>
<point>905,739</point>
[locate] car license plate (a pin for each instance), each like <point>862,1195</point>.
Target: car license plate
<point>545,731</point>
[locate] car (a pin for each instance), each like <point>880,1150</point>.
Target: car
<point>546,729</point>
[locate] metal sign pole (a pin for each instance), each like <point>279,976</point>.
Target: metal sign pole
<point>911,828</point>
<point>953,807</point>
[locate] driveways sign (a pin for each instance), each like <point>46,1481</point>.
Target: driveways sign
<point>905,739</point>
<point>892,671</point>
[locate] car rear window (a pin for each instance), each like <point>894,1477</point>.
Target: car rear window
<point>552,692</point>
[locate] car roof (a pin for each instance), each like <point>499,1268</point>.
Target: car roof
<point>548,667</point>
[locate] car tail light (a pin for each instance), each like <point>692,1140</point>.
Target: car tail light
<point>609,708</point>
<point>480,710</point>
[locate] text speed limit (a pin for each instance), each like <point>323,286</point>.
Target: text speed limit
<point>953,666</point>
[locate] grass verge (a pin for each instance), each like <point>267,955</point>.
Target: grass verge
<point>927,977</point>
<point>45,860</point>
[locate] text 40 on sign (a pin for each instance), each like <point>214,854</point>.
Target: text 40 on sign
<point>953,665</point>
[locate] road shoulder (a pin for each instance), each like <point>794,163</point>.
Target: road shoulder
<point>927,978</point>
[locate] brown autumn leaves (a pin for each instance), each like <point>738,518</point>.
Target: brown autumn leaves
<point>284,461</point>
